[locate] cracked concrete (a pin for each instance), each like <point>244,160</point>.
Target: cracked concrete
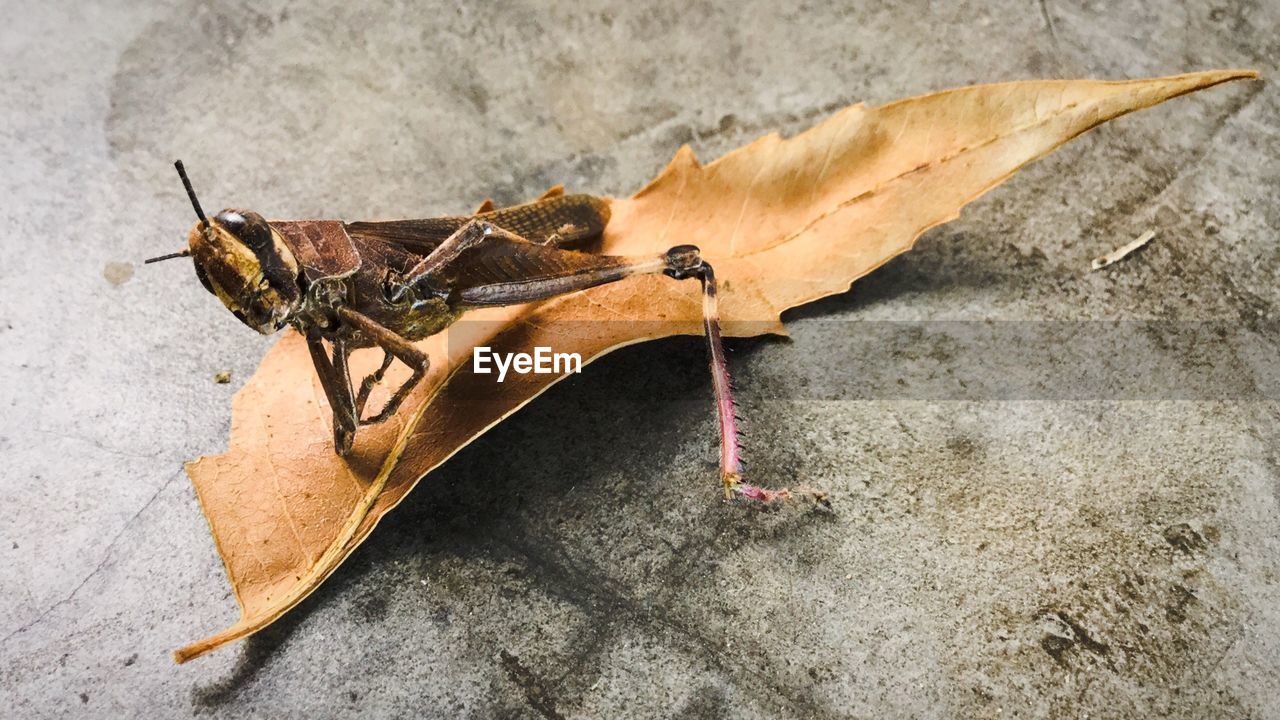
<point>1051,552</point>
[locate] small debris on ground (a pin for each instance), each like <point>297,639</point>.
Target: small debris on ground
<point>1120,253</point>
<point>117,273</point>
<point>222,377</point>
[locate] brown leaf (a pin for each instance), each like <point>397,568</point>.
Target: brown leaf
<point>783,221</point>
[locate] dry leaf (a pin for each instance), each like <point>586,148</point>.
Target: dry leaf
<point>783,221</point>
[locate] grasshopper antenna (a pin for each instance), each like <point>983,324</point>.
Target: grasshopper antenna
<point>186,183</point>
<point>204,221</point>
<point>170,256</point>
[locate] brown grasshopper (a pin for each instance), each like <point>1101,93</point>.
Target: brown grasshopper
<point>351,285</point>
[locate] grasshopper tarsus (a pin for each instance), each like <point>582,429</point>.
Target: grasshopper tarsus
<point>343,440</point>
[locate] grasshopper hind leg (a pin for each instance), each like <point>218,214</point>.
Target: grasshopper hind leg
<point>537,272</point>
<point>685,261</point>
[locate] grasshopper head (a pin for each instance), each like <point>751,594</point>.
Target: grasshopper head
<point>244,262</point>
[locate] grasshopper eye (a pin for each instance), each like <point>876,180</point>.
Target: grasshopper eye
<point>248,227</point>
<point>232,220</point>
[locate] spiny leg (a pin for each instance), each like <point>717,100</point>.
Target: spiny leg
<point>366,386</point>
<point>398,397</point>
<point>555,272</point>
<point>396,346</point>
<point>332,372</point>
<point>722,388</point>
<point>682,262</point>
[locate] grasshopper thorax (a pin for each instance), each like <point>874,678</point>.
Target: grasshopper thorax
<point>245,263</point>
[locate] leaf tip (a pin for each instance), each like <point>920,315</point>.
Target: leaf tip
<point>1209,78</point>
<point>184,654</point>
<point>1243,74</point>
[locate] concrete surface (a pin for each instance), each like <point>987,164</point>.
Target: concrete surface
<point>991,556</point>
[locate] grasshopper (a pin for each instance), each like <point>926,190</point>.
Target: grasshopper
<point>351,285</point>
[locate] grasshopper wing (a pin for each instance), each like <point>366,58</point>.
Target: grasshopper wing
<point>557,220</point>
<point>496,267</point>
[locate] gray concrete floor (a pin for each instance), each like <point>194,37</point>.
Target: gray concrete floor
<point>1028,555</point>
